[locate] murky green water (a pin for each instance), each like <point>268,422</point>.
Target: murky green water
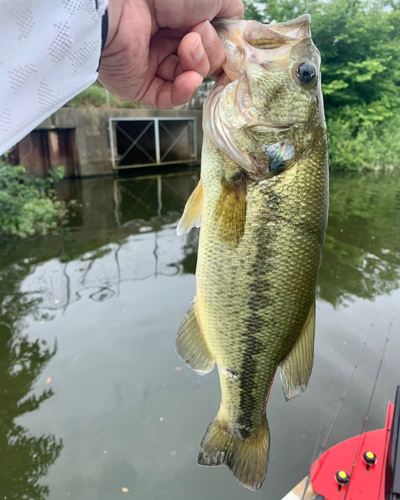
<point>93,398</point>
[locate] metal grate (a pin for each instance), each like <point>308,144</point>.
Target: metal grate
<point>143,142</point>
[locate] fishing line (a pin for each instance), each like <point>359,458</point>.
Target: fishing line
<point>336,413</point>
<point>329,401</point>
<point>370,402</point>
<point>347,386</point>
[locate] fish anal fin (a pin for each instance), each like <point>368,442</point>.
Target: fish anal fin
<point>247,457</point>
<point>295,369</point>
<point>193,210</point>
<point>191,345</point>
<point>230,211</point>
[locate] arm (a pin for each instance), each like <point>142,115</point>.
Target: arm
<point>49,53</point>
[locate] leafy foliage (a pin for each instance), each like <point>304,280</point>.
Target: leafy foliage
<point>359,41</point>
<point>29,206</point>
<point>95,96</point>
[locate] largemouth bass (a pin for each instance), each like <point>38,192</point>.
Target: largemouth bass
<point>262,204</point>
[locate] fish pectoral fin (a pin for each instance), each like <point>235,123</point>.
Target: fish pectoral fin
<point>296,368</point>
<point>230,212</point>
<point>191,345</point>
<point>247,458</point>
<point>193,210</point>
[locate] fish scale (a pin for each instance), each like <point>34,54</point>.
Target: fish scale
<point>262,201</point>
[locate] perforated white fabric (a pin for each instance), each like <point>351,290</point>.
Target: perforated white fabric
<point>49,52</point>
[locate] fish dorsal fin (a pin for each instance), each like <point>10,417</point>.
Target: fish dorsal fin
<point>193,209</point>
<point>297,366</point>
<point>230,212</point>
<point>191,346</point>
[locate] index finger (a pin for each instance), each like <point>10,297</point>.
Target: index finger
<point>177,15</point>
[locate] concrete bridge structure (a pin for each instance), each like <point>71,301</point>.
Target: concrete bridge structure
<point>101,141</point>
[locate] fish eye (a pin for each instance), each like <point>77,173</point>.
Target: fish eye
<point>306,72</point>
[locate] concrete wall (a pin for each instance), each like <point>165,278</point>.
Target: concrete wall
<point>92,140</point>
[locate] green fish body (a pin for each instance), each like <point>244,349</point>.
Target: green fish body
<point>262,205</point>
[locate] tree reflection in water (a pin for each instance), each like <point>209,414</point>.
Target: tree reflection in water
<point>362,250</point>
<point>25,458</point>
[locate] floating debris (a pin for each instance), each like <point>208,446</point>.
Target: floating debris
<point>124,490</point>
<point>48,380</point>
<point>178,368</point>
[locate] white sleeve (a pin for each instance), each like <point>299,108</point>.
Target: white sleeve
<point>49,52</point>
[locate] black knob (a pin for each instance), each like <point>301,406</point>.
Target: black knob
<point>342,477</point>
<point>369,458</point>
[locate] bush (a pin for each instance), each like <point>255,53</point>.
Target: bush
<point>95,96</point>
<point>29,206</point>
<point>367,148</point>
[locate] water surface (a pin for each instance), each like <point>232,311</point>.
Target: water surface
<point>94,402</point>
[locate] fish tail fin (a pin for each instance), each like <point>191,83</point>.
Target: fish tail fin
<point>246,457</point>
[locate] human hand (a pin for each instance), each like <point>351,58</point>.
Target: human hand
<point>158,51</point>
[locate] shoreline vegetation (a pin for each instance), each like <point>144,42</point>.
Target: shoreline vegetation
<point>28,205</point>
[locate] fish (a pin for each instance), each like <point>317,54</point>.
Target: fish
<point>261,205</point>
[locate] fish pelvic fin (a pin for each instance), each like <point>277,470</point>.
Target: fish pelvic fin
<point>246,457</point>
<point>296,368</point>
<point>193,210</point>
<point>230,212</point>
<point>191,345</point>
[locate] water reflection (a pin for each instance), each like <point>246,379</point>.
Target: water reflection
<point>110,291</point>
<point>123,231</point>
<point>361,256</point>
<point>26,458</point>
<point>362,251</point>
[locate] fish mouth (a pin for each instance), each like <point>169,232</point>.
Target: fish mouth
<point>246,41</point>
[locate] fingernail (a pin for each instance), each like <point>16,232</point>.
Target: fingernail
<point>201,81</point>
<point>198,50</point>
<point>208,35</point>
